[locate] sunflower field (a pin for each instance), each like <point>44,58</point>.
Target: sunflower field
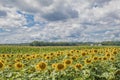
<point>83,63</point>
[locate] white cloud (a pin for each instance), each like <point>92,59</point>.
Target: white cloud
<point>60,20</point>
<point>10,18</point>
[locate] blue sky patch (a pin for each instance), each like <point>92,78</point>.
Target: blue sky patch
<point>1,30</point>
<point>29,18</point>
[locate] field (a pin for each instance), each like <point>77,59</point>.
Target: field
<point>59,63</point>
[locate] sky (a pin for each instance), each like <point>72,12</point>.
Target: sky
<point>23,21</point>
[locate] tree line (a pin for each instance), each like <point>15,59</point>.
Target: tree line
<point>104,43</point>
<point>42,43</point>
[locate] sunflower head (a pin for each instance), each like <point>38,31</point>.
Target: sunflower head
<point>3,55</point>
<point>77,51</point>
<point>10,65</point>
<point>69,54</point>
<point>104,58</point>
<point>108,55</point>
<point>17,60</point>
<point>114,52</point>
<point>58,54</point>
<point>72,51</point>
<point>53,65</point>
<point>51,54</point>
<point>8,55</point>
<point>83,53</point>
<point>73,57</point>
<point>28,58</point>
<point>60,66</point>
<point>112,58</point>
<point>95,58</point>
<point>44,55</point>
<point>19,65</point>
<point>67,61</point>
<point>33,56</point>
<point>41,66</point>
<point>48,57</point>
<point>100,58</point>
<point>95,50</point>
<point>88,61</point>
<point>78,66</point>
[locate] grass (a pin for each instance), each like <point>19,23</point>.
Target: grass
<point>47,49</point>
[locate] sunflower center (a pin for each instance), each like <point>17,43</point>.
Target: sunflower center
<point>60,66</point>
<point>78,66</point>
<point>42,66</point>
<point>19,65</point>
<point>68,62</point>
<point>95,58</point>
<point>88,61</point>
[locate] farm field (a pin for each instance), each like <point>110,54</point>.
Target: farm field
<point>59,63</point>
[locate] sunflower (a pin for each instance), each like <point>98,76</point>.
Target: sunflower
<point>11,55</point>
<point>26,55</point>
<point>114,52</point>
<point>60,66</point>
<point>72,51</point>
<point>44,55</point>
<point>53,65</point>
<point>77,51</point>
<point>69,54</point>
<point>41,66</point>
<point>78,66</point>
<point>61,52</point>
<point>95,50</point>
<point>28,58</point>
<point>58,54</point>
<point>112,58</point>
<point>104,58</point>
<point>51,54</point>
<point>19,65</point>
<point>33,56</point>
<point>3,55</point>
<point>108,55</point>
<point>73,57</point>
<point>48,57</point>
<point>83,54</point>
<point>17,60</point>
<point>95,58</point>
<point>8,55</point>
<point>1,65</point>
<point>100,58</point>
<point>10,65</point>
<point>88,61</point>
<point>67,61</point>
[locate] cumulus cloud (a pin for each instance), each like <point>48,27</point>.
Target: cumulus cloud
<point>10,18</point>
<point>59,20</point>
<point>61,15</point>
